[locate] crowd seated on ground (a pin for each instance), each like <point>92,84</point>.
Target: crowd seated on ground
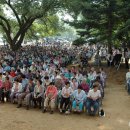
<point>39,78</point>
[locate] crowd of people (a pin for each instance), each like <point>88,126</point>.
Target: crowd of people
<point>40,77</point>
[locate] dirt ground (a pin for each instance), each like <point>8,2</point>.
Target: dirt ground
<point>116,105</point>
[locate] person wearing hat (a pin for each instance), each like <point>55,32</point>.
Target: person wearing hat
<point>79,97</point>
<point>93,97</point>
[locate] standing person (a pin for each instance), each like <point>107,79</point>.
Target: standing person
<point>128,81</point>
<point>93,99</point>
<point>65,99</point>
<point>51,94</point>
<point>127,57</point>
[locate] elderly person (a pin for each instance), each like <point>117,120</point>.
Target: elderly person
<point>51,94</point>
<point>85,86</point>
<point>79,97</point>
<point>93,99</point>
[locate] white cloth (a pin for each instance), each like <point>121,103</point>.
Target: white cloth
<point>93,94</point>
<point>66,91</point>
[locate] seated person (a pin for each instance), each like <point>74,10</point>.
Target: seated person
<point>85,86</point>
<point>7,89</point>
<point>93,99</point>
<point>51,94</point>
<point>16,90</point>
<point>65,99</point>
<point>74,84</point>
<point>79,97</point>
<point>27,92</point>
<point>1,88</point>
<point>38,93</point>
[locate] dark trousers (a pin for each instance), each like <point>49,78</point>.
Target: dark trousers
<point>37,100</point>
<point>66,102</point>
<point>4,94</point>
<point>127,63</point>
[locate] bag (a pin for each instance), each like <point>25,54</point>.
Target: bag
<point>101,113</point>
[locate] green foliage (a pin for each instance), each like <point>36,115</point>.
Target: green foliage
<point>105,21</point>
<point>79,41</point>
<point>24,14</point>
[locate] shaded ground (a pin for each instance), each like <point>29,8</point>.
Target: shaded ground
<point>116,105</point>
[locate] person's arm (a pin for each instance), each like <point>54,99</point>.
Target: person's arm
<point>12,90</point>
<point>89,95</point>
<point>41,93</point>
<point>63,92</point>
<point>83,96</point>
<point>55,93</point>
<point>20,88</point>
<point>47,91</point>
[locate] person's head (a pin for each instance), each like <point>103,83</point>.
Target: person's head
<point>46,78</point>
<point>67,84</point>
<point>31,80</point>
<point>23,76</point>
<point>39,82</point>
<point>92,69</point>
<point>79,88</point>
<point>96,86</point>
<point>16,81</point>
<point>98,78</point>
<point>74,80</point>
<point>84,81</point>
<point>52,84</point>
<point>7,78</point>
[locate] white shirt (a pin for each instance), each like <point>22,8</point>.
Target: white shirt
<point>93,94</point>
<point>66,91</point>
<point>127,76</point>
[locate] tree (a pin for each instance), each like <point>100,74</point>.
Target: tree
<point>52,27</point>
<point>24,13</point>
<point>99,20</point>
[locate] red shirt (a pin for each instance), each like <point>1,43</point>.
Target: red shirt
<point>7,85</point>
<point>12,74</point>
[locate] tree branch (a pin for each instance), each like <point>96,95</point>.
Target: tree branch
<point>6,31</point>
<point>7,23</point>
<point>14,11</point>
